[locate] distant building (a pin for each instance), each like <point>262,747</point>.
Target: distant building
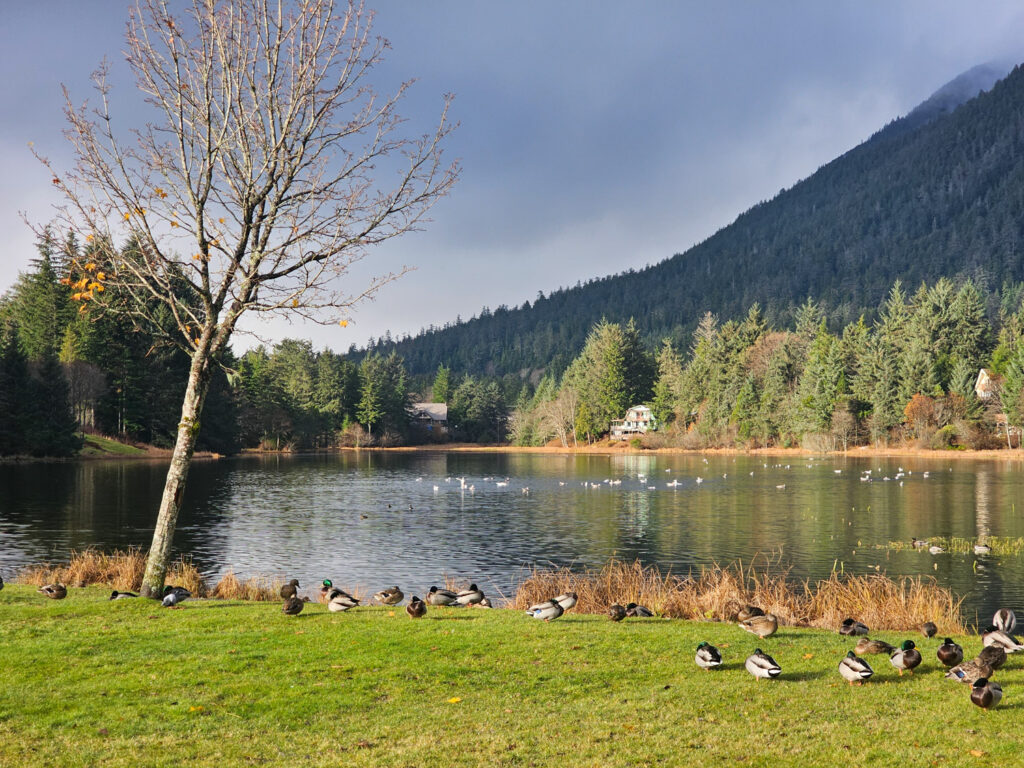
<point>639,420</point>
<point>987,384</point>
<point>433,417</point>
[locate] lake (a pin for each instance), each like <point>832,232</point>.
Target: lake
<point>370,520</point>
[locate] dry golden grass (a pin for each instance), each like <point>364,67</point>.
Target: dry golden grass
<point>718,593</point>
<point>257,588</point>
<point>121,570</point>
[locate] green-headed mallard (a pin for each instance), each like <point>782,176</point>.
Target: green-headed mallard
<point>390,596</point>
<point>854,670</point>
<point>339,600</point>
<point>853,628</point>
<point>416,608</point>
<point>173,596</point>
<point>1005,619</point>
<point>950,653</point>
<point>762,626</point>
<point>616,612</point>
<point>54,591</point>
<point>986,693</point>
<point>293,606</point>
<point>748,612</point>
<point>325,589</point>
<point>708,657</point>
<point>289,590</point>
<point>928,629</point>
<point>994,636</point>
<point>905,658</point>
<point>918,543</point>
<point>969,671</point>
<point>761,665</point>
<point>982,549</point>
<point>866,645</point>
<point>470,596</point>
<point>638,611</point>
<point>437,596</point>
<point>548,611</point>
<point>115,595</point>
<point>993,655</point>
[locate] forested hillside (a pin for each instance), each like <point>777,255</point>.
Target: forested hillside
<point>915,202</point>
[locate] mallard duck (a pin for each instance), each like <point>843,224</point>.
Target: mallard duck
<point>993,636</point>
<point>986,693</point>
<point>853,628</point>
<point>866,645</point>
<point>485,603</point>
<point>982,549</point>
<point>969,671</point>
<point>993,655</point>
<point>638,611</point>
<point>906,657</point>
<point>708,657</point>
<point>928,629</point>
<point>416,608</point>
<point>115,595</point>
<point>567,600</point>
<point>390,596</point>
<point>918,543</point>
<point>762,626</point>
<point>950,653</point>
<point>1005,619</point>
<point>748,612</point>
<point>339,600</point>
<point>293,606</point>
<point>54,591</point>
<point>760,664</point>
<point>616,612</point>
<point>935,549</point>
<point>547,611</point>
<point>289,589</point>
<point>325,589</point>
<point>437,596</point>
<point>854,670</point>
<point>470,596</point>
<point>175,595</point>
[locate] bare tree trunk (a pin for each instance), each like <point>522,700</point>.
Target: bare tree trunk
<point>177,474</point>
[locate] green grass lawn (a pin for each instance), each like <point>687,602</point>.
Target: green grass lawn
<point>128,683</point>
<point>95,445</point>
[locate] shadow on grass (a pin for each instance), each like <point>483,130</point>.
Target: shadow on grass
<point>809,674</point>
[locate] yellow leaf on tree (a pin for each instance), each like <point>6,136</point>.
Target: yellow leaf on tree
<point>343,323</point>
<point>295,302</point>
<point>221,219</point>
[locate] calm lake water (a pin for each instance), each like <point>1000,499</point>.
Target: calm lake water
<point>371,520</point>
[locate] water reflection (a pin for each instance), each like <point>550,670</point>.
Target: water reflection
<point>372,519</point>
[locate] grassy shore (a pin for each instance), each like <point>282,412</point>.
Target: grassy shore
<point>90,682</point>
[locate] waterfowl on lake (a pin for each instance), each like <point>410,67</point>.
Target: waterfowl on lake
<point>993,655</point>
<point>853,628</point>
<point>866,645</point>
<point>339,600</point>
<point>854,670</point>
<point>390,596</point>
<point>905,658</point>
<point>935,549</point>
<point>969,671</point>
<point>928,629</point>
<point>982,549</point>
<point>748,612</point>
<point>547,611</point>
<point>290,589</point>
<point>416,608</point>
<point>616,612</point>
<point>918,543</point>
<point>761,665</point>
<point>638,611</point>
<point>293,606</point>
<point>115,595</point>
<point>986,693</point>
<point>708,657</point>
<point>54,591</point>
<point>762,626</point>
<point>470,596</point>
<point>1005,619</point>
<point>437,596</point>
<point>950,653</point>
<point>175,595</point>
<point>994,636</point>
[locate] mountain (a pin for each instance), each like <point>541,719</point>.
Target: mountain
<point>938,192</point>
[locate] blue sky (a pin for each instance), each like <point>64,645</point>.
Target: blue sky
<point>595,136</point>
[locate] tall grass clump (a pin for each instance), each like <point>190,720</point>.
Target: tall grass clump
<point>119,569</point>
<point>718,592</point>
<point>256,588</point>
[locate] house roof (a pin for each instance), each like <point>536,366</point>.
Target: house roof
<point>434,411</point>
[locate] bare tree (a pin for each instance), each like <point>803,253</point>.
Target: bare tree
<point>271,165</point>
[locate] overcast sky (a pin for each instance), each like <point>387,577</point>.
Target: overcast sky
<point>595,136</point>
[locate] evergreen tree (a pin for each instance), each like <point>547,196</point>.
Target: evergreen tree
<point>13,392</point>
<point>666,387</point>
<point>49,426</point>
<point>442,385</point>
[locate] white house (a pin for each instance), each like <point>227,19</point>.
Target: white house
<point>639,420</point>
<point>986,385</point>
<point>431,416</point>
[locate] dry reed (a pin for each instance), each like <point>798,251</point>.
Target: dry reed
<point>120,569</point>
<point>256,588</point>
<point>719,592</point>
